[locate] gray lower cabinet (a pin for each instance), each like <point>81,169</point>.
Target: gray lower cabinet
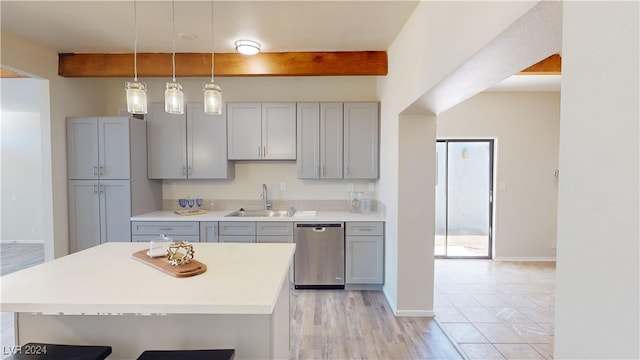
<point>208,231</point>
<point>177,230</point>
<point>97,211</point>
<point>364,262</point>
<point>237,231</point>
<point>274,231</point>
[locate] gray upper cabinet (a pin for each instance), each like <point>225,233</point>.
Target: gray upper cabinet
<point>98,148</point>
<point>207,145</point>
<point>261,131</point>
<point>319,148</point>
<point>166,143</point>
<point>279,131</point>
<point>361,128</point>
<point>188,146</point>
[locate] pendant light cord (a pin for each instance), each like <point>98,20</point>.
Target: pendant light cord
<point>212,59</point>
<point>173,34</point>
<point>135,42</point>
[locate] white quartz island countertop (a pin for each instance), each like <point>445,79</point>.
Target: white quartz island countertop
<point>106,280</point>
<point>299,216</point>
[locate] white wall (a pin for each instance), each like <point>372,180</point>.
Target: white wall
<point>526,128</point>
<point>59,98</point>
<point>437,38</point>
<point>250,175</point>
<point>598,268</point>
<point>21,216</point>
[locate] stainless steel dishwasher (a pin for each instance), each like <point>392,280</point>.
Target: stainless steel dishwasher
<point>319,259</point>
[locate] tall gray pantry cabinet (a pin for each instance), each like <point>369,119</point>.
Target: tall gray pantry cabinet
<point>107,172</point>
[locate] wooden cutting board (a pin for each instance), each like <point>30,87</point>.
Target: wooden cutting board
<point>193,268</point>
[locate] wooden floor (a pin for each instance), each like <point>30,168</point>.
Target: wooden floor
<point>339,324</point>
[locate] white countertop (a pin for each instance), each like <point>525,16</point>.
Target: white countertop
<point>240,279</point>
<point>320,216</point>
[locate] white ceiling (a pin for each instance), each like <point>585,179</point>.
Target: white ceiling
<point>310,25</point>
<point>108,26</point>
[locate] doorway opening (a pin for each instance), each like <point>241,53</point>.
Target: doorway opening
<point>464,199</point>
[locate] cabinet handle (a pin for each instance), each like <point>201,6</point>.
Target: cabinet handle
<point>189,170</point>
<point>95,188</point>
<point>101,187</point>
<point>264,151</point>
<point>165,229</point>
<point>100,170</point>
<point>95,170</point>
<point>324,171</point>
<point>184,170</point>
<point>259,151</point>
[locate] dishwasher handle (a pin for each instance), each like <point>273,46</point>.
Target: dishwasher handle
<point>320,226</point>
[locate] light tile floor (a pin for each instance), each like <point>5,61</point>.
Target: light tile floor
<point>497,310</point>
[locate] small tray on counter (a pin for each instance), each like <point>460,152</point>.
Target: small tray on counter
<point>193,268</point>
<point>190,212</point>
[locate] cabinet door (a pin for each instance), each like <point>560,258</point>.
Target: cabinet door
<point>84,214</point>
<point>82,148</point>
<point>279,131</point>
<point>166,144</point>
<point>360,140</point>
<point>113,148</point>
<point>115,210</point>
<point>364,260</point>
<point>331,151</point>
<point>208,231</point>
<point>308,140</point>
<point>244,131</point>
<point>206,144</point>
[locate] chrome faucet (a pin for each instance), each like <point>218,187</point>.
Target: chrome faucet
<point>265,200</point>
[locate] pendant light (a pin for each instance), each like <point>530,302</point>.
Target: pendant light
<point>136,91</point>
<point>212,92</point>
<point>173,95</point>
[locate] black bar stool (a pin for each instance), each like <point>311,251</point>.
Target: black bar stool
<point>43,351</point>
<point>217,354</point>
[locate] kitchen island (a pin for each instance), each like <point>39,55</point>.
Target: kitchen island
<point>103,296</point>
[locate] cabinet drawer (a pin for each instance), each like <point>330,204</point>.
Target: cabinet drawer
<point>274,239</point>
<point>237,239</point>
<point>169,228</point>
<point>365,228</point>
<point>275,228</point>
<point>147,238</point>
<point>237,228</point>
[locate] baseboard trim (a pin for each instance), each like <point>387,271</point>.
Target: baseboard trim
<point>416,313</point>
<point>525,259</point>
<point>407,313</point>
<point>21,241</point>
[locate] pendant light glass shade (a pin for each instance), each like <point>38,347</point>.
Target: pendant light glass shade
<point>173,95</point>
<point>174,98</point>
<point>212,99</point>
<point>136,91</point>
<point>136,97</point>
<point>212,92</point>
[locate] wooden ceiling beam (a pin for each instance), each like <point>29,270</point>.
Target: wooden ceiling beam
<point>549,66</point>
<point>8,74</point>
<point>226,65</point>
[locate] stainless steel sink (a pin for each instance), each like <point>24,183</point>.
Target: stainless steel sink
<point>262,213</point>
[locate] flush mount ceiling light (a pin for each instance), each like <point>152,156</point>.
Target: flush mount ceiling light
<point>247,47</point>
<point>212,92</point>
<point>173,95</point>
<point>136,91</point>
